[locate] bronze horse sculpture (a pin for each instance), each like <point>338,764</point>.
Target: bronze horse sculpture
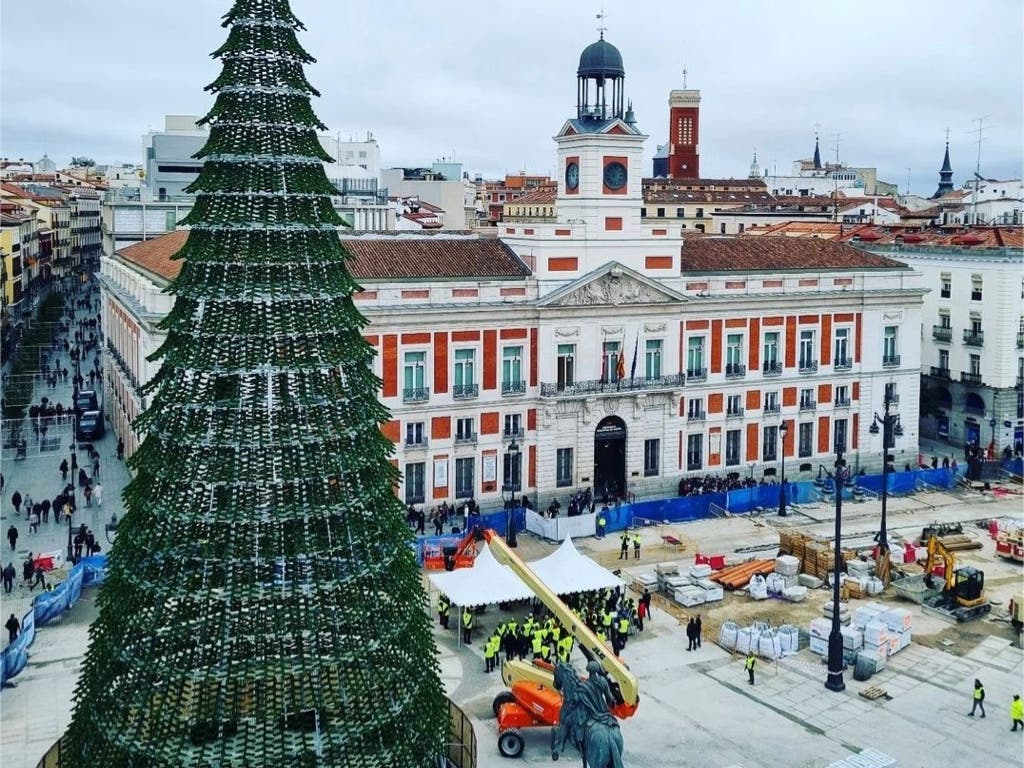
<point>585,721</point>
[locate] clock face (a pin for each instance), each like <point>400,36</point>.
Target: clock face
<point>572,176</point>
<point>615,176</point>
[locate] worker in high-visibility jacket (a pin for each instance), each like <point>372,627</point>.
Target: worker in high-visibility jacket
<point>545,651</point>
<point>1017,712</point>
<point>467,625</point>
<point>565,648</point>
<point>623,628</point>
<point>444,608</point>
<point>537,642</point>
<point>606,622</point>
<point>491,652</point>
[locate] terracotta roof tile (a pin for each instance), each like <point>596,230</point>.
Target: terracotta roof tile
<point>976,237</point>
<point>542,196</point>
<point>768,254</point>
<point>387,257</point>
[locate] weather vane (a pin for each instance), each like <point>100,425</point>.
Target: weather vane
<point>600,23</point>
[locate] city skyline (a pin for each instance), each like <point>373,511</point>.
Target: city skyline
<point>456,91</point>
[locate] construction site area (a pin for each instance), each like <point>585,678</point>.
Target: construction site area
<point>761,583</point>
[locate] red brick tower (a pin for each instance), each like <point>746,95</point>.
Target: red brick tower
<point>684,133</point>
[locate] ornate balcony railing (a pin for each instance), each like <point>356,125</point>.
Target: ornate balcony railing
<point>622,386</point>
<point>696,415</point>
<point>466,438</point>
<point>808,366</point>
<point>842,364</point>
<point>890,361</point>
<point>772,408</point>
<point>939,372</point>
<point>417,443</point>
<point>773,368</point>
<point>465,391</point>
<point>734,413</point>
<point>513,387</point>
<point>970,378</point>
<point>808,405</point>
<point>415,394</point>
<point>735,371</point>
<point>942,333</point>
<point>513,434</point>
<point>842,402</point>
<point>973,338</point>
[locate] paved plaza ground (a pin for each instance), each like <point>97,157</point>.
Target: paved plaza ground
<point>695,708</point>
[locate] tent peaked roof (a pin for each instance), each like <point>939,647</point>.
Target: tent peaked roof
<point>487,582</point>
<point>566,571</point>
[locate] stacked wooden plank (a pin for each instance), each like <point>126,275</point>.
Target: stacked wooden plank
<point>959,543</point>
<point>817,556</point>
<point>738,576</point>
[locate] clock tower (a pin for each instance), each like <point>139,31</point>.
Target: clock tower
<point>600,151</point>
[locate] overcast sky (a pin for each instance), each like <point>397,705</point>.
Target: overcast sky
<point>490,83</point>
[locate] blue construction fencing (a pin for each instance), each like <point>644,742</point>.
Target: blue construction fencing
<point>496,520</point>
<point>47,606</point>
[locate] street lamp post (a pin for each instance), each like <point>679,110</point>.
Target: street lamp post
<point>890,428</point>
<point>783,430</point>
<point>834,682</point>
<point>510,522</point>
<point>995,448</point>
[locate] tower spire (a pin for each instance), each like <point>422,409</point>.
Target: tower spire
<point>945,173</point>
<point>817,150</point>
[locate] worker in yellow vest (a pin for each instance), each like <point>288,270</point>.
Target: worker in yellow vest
<point>623,630</point>
<point>565,648</point>
<point>444,608</point>
<point>491,652</point>
<point>545,651</point>
<point>750,664</point>
<point>467,625</point>
<point>537,643</point>
<point>636,546</point>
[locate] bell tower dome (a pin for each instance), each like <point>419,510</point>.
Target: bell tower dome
<point>600,81</point>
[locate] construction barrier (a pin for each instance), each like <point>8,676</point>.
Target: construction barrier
<point>47,606</point>
<point>497,521</point>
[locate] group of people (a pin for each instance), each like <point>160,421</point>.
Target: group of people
<point>697,486</point>
<point>457,514</point>
<point>978,702</point>
<point>580,503</point>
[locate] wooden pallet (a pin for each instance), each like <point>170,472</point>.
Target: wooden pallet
<point>873,692</point>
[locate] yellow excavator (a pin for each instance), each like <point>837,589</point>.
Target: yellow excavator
<point>963,592</point>
<point>531,699</point>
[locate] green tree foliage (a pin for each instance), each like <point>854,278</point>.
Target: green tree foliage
<point>263,606</point>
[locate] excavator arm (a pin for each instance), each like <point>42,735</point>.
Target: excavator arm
<point>937,549</point>
<point>623,681</point>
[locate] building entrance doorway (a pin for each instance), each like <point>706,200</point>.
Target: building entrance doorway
<point>610,458</point>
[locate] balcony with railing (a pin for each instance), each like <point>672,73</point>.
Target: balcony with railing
<point>939,372</point>
<point>808,405</point>
<point>415,394</point>
<point>465,438</point>
<point>973,338</point>
<point>734,413</point>
<point>697,374</point>
<point>942,333</point>
<point>513,434</point>
<point>770,408</point>
<point>842,402</point>
<point>890,361</point>
<point>465,391</point>
<point>773,368</point>
<point>735,371</point>
<point>970,378</point>
<point>621,387</point>
<point>416,443</point>
<point>808,366</point>
<point>696,415</point>
<point>842,364</point>
<point>510,388</point>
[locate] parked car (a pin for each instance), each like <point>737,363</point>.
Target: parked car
<point>86,401</point>
<point>90,426</point>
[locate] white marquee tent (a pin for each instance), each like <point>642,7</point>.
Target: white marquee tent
<point>565,571</point>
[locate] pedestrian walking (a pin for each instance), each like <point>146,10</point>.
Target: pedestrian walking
<point>624,549</point>
<point>1017,712</point>
<point>44,508</point>
<point>698,629</point>
<point>96,473</point>
<point>97,494</point>
<point>120,450</point>
<point>641,613</point>
<point>979,698</point>
<point>13,628</point>
<point>12,536</point>
<point>64,470</point>
<point>9,575</point>
<point>636,546</point>
<point>16,501</point>
<point>88,495</point>
<point>750,664</point>
<point>40,579</point>
<point>691,635</point>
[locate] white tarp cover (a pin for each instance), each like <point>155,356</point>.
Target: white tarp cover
<point>567,571</point>
<point>486,583</point>
<point>560,528</point>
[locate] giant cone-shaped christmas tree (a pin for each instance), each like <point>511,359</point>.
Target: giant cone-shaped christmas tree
<point>263,606</point>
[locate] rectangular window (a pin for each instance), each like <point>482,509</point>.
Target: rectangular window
<point>770,351</point>
<point>807,398</point>
<point>680,213</point>
<point>700,213</point>
<point>944,359</point>
<point>842,347</point>
<point>512,369</point>
<point>513,425</point>
<point>975,287</point>
<point>890,392</point>
<point>610,361</point>
<point>842,396</point>
<point>733,440</point>
<point>512,471</point>
<point>652,358</point>
<point>771,402</point>
<point>944,320</point>
<point>695,357</point>
<point>839,436</point>
<point>414,488</point>
<point>734,405</point>
<point>414,433</point>
<point>652,457</point>
<point>695,408</point>
<point>807,358</point>
<point>465,360</point>
<point>806,441</point>
<point>465,429</point>
<point>975,326</point>
<point>661,213</point>
<point>464,477</point>
<point>721,228</point>
<point>889,349</point>
<point>945,285</point>
<point>976,364</point>
<point>769,447</point>
<point>694,452</point>
<point>563,467</point>
<point>734,350</point>
<point>566,365</point>
<point>414,368</point>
